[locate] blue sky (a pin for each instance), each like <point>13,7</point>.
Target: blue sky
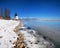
<point>33,8</point>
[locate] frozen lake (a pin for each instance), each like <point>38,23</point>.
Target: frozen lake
<point>48,29</point>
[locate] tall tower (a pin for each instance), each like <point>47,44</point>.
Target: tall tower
<point>1,12</point>
<point>7,13</point>
<point>4,13</point>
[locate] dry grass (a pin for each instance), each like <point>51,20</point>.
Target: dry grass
<point>19,42</point>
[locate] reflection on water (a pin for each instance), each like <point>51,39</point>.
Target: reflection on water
<point>48,29</point>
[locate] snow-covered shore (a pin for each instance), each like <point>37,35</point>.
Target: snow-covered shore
<point>33,40</point>
<point>7,34</point>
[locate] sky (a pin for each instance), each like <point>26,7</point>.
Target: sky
<point>32,8</point>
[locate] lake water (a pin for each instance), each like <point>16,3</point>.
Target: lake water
<point>48,29</point>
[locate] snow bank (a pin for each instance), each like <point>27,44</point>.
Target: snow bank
<point>33,40</point>
<point>7,35</point>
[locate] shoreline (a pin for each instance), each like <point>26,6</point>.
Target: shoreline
<point>57,44</point>
<point>28,36</point>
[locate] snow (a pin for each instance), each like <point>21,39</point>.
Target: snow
<point>7,35</point>
<point>33,40</point>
